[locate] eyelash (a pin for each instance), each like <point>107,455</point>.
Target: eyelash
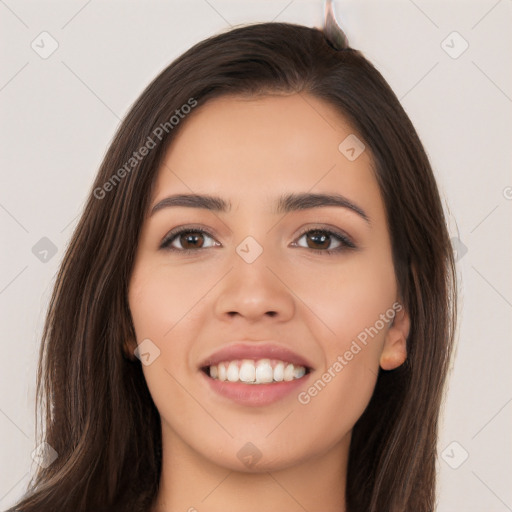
<point>346,243</point>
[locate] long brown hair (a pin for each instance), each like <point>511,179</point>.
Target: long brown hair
<point>98,413</point>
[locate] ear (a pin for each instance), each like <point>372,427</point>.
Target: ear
<point>394,351</point>
<point>129,347</point>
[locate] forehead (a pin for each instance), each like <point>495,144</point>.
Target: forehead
<point>261,147</point>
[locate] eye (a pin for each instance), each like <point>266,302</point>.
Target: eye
<point>319,240</point>
<point>188,239</point>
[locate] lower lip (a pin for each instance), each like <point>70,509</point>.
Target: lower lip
<point>255,394</point>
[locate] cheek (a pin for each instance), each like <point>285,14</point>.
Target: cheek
<point>349,300</point>
<point>161,299</point>
<point>165,309</point>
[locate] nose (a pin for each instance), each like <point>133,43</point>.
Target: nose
<point>254,291</point>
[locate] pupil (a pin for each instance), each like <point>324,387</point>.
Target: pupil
<point>323,237</point>
<point>191,236</point>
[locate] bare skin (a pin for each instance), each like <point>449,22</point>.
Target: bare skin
<point>250,151</point>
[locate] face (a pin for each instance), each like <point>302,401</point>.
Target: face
<point>298,295</point>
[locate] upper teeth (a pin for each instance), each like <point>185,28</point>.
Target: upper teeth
<point>256,372</point>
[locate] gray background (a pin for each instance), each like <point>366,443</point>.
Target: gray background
<point>59,114</point>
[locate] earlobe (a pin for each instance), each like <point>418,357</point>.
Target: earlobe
<point>129,346</point>
<point>391,359</point>
<point>129,340</point>
<point>394,352</point>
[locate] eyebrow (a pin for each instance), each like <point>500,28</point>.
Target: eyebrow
<point>285,204</point>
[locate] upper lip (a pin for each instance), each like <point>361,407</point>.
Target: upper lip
<point>255,351</point>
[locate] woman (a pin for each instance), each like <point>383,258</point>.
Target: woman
<point>256,309</point>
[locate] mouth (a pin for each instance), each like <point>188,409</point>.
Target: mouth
<point>255,374</point>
